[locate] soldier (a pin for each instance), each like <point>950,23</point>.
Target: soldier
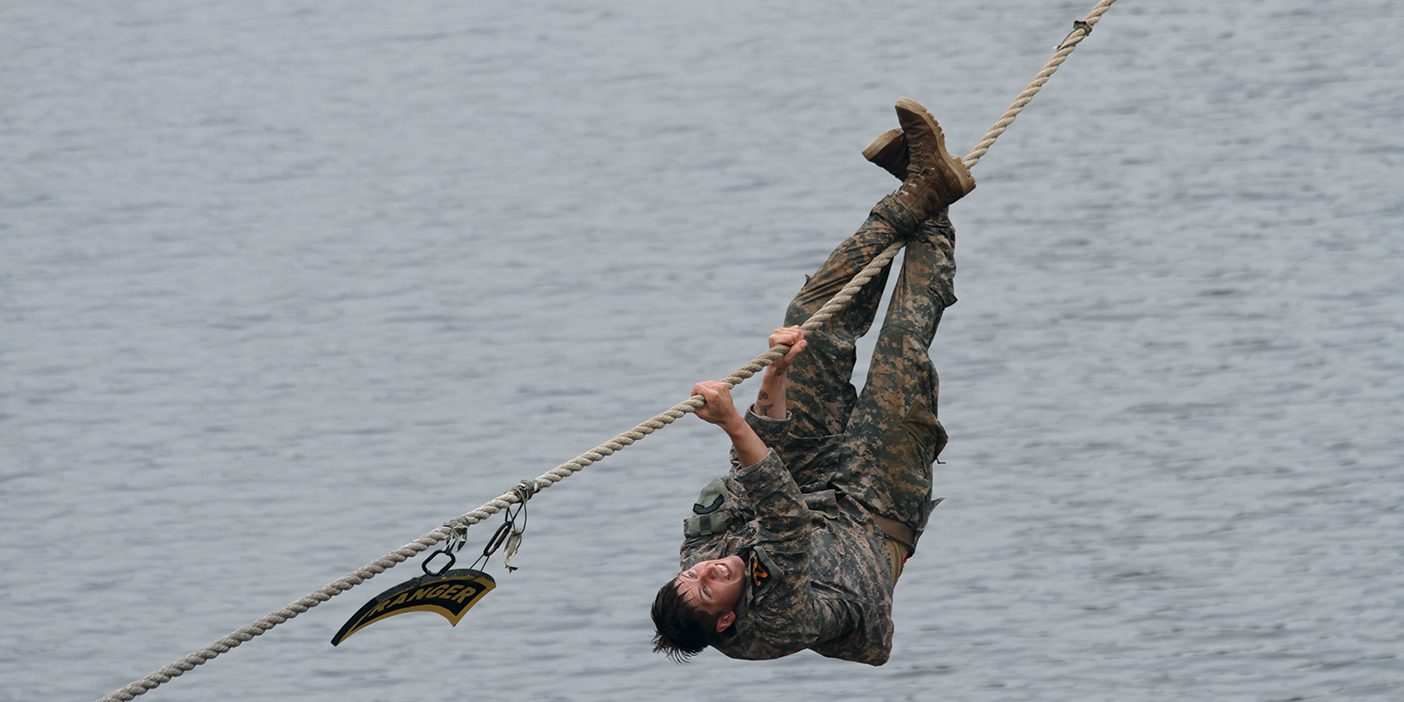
<point>800,545</point>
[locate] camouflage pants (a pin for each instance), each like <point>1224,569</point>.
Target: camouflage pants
<point>877,447</point>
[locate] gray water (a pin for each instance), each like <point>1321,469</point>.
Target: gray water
<point>285,285</point>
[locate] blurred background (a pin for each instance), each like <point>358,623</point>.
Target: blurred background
<point>284,285</point>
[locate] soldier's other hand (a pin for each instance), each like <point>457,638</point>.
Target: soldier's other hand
<point>719,410</point>
<point>792,337</point>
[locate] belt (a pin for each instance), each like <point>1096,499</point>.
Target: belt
<point>897,531</point>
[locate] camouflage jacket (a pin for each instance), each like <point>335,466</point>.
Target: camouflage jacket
<point>818,574</point>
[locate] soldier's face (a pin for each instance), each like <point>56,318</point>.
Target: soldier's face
<point>714,587</point>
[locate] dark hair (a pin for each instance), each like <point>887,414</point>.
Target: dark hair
<point>683,631</point>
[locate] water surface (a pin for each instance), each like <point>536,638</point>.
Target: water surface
<point>283,286</point>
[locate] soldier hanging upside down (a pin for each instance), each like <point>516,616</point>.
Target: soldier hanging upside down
<point>800,545</point>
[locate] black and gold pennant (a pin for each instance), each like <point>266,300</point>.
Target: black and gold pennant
<point>449,593</point>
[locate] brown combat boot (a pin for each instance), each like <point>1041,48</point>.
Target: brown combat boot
<point>934,178</point>
<point>889,151</point>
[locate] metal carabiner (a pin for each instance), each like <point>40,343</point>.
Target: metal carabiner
<point>451,560</point>
<point>498,537</point>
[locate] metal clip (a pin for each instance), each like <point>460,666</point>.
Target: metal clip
<point>525,489</point>
<point>1083,25</point>
<point>457,537</point>
<point>425,565</point>
<point>498,537</point>
<point>508,533</point>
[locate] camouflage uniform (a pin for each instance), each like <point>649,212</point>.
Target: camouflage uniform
<point>819,571</point>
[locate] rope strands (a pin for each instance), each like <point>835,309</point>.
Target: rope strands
<point>525,488</point>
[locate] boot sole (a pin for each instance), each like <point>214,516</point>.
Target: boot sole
<point>881,144</point>
<point>967,181</point>
<point>883,153</point>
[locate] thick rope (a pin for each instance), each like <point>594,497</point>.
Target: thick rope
<point>833,307</point>
<point>1080,31</point>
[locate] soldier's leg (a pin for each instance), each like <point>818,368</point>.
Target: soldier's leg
<point>823,397</point>
<point>831,354</point>
<point>893,433</point>
<point>820,393</point>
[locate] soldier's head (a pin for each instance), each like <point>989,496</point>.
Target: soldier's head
<point>697,608</point>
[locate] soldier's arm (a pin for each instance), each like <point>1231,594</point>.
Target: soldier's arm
<point>773,432</point>
<point>771,400</point>
<point>719,410</point>
<point>789,616</point>
<point>782,515</point>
